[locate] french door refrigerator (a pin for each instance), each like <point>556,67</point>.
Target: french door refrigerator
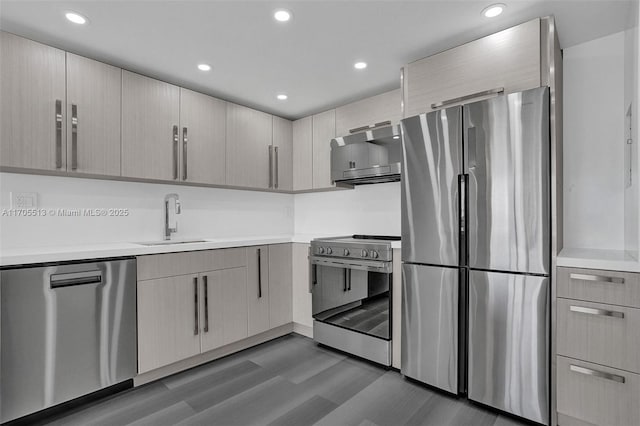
<point>476,251</point>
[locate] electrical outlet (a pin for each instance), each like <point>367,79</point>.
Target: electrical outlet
<point>24,200</point>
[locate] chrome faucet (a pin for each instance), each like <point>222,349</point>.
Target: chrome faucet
<point>171,200</point>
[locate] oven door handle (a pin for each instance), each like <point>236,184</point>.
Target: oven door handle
<point>363,265</point>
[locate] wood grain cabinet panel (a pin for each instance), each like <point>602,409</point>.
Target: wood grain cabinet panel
<point>369,111</point>
<point>167,321</point>
<point>202,133</point>
<point>33,81</point>
<point>283,154</point>
<point>596,394</point>
<point>150,110</point>
<point>303,154</point>
<point>280,284</point>
<point>94,91</point>
<point>612,287</point>
<point>324,129</point>
<point>258,289</point>
<point>249,137</point>
<point>604,334</point>
<point>508,59</point>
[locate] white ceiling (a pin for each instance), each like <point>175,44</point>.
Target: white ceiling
<point>309,58</point>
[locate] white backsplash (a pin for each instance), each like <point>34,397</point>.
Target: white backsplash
<point>367,209</point>
<point>206,212</point>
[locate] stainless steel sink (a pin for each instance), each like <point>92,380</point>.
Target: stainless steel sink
<point>170,242</point>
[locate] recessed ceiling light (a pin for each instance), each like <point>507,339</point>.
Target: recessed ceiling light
<point>493,10</point>
<point>360,65</point>
<point>282,15</point>
<point>76,18</point>
<point>282,97</point>
<point>204,67</point>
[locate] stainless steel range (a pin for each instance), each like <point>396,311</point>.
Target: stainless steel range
<point>350,284</point>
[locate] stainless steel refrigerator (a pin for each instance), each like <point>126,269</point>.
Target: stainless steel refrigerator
<point>476,251</point>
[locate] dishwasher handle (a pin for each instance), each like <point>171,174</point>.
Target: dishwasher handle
<point>75,278</point>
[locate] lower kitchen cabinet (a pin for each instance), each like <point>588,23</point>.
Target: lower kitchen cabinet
<point>209,299</point>
<point>269,282</point>
<point>166,321</point>
<point>280,285</point>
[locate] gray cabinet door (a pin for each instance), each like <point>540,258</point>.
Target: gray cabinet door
<point>283,154</point>
<point>150,120</point>
<point>430,325</point>
<point>258,294</point>
<point>32,101</point>
<point>303,154</point>
<point>94,93</point>
<point>324,129</point>
<point>249,136</point>
<point>508,155</point>
<point>280,284</point>
<point>203,121</point>
<point>167,321</point>
<point>432,152</point>
<point>509,343</point>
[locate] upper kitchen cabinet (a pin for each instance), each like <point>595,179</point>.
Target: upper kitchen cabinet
<point>508,61</point>
<point>249,149</point>
<point>150,128</point>
<point>303,154</point>
<point>203,121</point>
<point>324,129</point>
<point>93,116</point>
<point>32,102</point>
<point>282,169</point>
<point>378,109</point>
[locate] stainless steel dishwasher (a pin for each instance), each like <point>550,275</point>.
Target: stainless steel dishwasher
<point>67,330</point>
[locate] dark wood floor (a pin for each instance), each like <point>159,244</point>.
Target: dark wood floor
<point>288,381</point>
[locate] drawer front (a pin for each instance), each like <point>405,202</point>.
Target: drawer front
<point>597,394</point>
<point>190,262</point>
<point>604,334</point>
<point>616,288</point>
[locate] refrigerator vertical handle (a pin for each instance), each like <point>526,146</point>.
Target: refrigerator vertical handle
<point>462,191</point>
<point>471,147</point>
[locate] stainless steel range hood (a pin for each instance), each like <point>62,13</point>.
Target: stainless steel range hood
<point>367,157</point>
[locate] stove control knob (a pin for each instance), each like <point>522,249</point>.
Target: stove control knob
<point>374,254</point>
<point>321,250</point>
<point>346,252</point>
<point>364,253</point>
<point>329,251</point>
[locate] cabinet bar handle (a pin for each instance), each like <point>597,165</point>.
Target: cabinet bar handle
<point>593,311</point>
<point>276,173</point>
<point>270,166</point>
<point>195,301</point>
<point>496,91</point>
<point>598,278</point>
<point>205,280</point>
<point>344,286</point>
<point>74,137</point>
<point>175,152</point>
<point>58,134</point>
<point>596,373</point>
<point>349,279</point>
<point>259,273</point>
<point>184,153</point>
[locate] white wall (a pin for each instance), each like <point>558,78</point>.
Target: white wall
<point>594,143</point>
<point>632,98</point>
<point>367,209</point>
<point>206,212</point>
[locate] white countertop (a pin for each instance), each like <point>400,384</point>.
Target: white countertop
<point>611,260</point>
<point>60,253</point>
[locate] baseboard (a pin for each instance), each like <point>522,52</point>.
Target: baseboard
<point>194,361</point>
<point>303,330</point>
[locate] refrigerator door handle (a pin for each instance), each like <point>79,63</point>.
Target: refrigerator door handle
<point>471,147</point>
<point>462,191</point>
